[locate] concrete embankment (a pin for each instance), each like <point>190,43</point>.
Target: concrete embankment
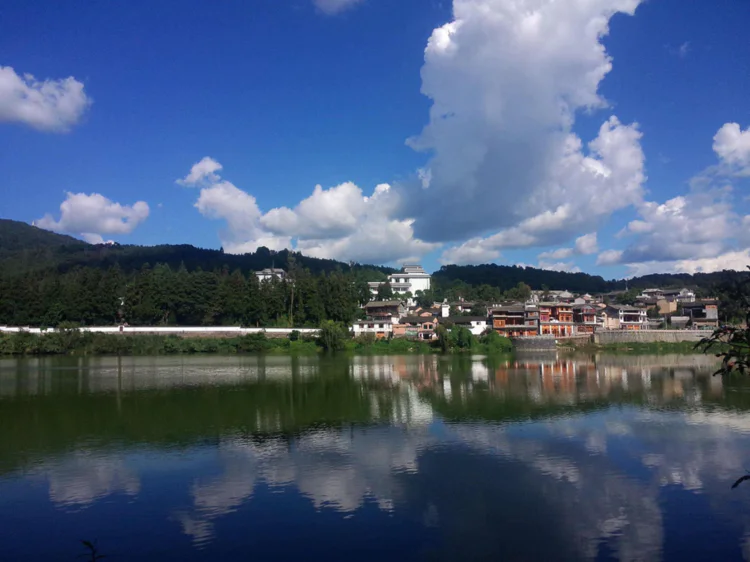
<point>613,337</point>
<point>533,343</point>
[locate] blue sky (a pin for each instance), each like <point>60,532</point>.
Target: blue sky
<point>499,98</point>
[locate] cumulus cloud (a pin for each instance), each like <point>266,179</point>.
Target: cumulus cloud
<point>90,216</point>
<point>696,232</point>
<point>332,7</point>
<point>732,146</point>
<point>327,213</point>
<point>338,223</point>
<point>49,105</point>
<point>506,79</point>
<point>202,173</point>
<point>581,190</point>
<point>585,245</point>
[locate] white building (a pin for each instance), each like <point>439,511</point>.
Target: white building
<point>271,273</point>
<point>410,279</point>
<point>477,325</point>
<point>382,328</point>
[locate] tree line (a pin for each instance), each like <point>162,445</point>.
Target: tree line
<point>162,295</point>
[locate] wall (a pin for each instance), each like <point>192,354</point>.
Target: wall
<point>199,331</point>
<point>605,337</point>
<point>534,343</point>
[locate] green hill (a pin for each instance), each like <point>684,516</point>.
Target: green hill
<point>25,249</point>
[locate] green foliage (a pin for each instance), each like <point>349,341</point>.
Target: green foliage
<point>495,343</point>
<point>385,292</point>
<point>425,298</point>
<point>443,338</point>
<point>162,296</point>
<point>462,337</point>
<point>732,343</point>
<point>294,335</point>
<point>333,336</point>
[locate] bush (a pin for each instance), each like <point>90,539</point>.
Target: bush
<point>332,336</point>
<point>495,342</point>
<point>294,335</point>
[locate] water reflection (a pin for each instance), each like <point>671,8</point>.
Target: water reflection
<point>534,457</point>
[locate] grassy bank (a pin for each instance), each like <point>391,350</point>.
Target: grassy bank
<point>75,342</point>
<point>637,348</point>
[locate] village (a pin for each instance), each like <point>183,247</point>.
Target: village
<point>556,313</point>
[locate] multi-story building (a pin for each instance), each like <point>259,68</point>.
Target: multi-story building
<point>556,319</point>
<point>515,320</point>
<point>584,317</point>
<point>382,328</point>
<point>703,314</point>
<point>385,309</point>
<point>624,317</point>
<point>410,279</point>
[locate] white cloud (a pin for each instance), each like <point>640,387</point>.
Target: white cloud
<point>506,79</point>
<point>558,254</point>
<point>202,173</point>
<point>225,201</point>
<point>470,252</point>
<point>338,223</point>
<point>732,146</point>
<point>49,105</point>
<point>90,216</point>
<point>609,257</point>
<point>327,213</point>
<point>332,7</point>
<point>737,260</point>
<point>569,266</point>
<point>585,245</point>
<point>581,192</point>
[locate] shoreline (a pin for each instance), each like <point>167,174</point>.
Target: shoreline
<point>79,343</point>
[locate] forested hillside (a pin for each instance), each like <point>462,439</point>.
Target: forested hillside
<point>25,248</point>
<point>46,279</point>
<point>505,277</point>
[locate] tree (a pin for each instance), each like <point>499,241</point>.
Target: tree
<point>653,313</point>
<point>732,343</point>
<point>463,337</point>
<point>520,293</point>
<point>332,336</point>
<point>425,299</point>
<point>385,292</point>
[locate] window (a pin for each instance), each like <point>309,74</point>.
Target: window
<point>380,325</point>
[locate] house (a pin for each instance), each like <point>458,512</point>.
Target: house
<point>515,320</point>
<point>584,317</point>
<point>385,309</point>
<point>475,324</point>
<point>381,328</point>
<point>462,306</point>
<point>556,319</point>
<point>270,273</point>
<point>416,327</point>
<point>624,317</point>
<point>410,279</point>
<point>703,314</point>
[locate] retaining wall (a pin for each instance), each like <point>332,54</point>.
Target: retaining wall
<point>534,343</point>
<point>605,337</point>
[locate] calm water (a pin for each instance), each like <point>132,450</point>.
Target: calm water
<point>373,458</point>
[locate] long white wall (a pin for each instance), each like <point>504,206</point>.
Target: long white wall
<point>166,330</point>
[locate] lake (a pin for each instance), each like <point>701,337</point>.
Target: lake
<point>374,458</point>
